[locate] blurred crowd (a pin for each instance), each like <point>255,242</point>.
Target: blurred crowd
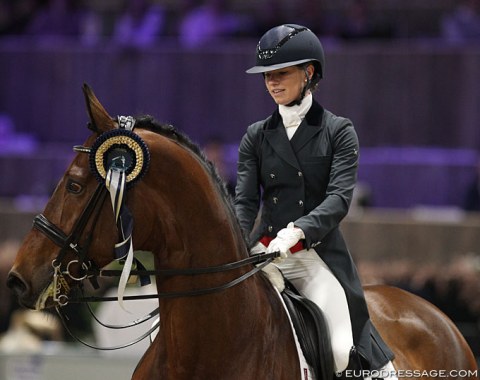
<point>196,22</point>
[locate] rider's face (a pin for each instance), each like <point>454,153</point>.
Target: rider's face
<point>285,85</point>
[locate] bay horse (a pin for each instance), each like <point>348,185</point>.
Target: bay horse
<point>183,215</point>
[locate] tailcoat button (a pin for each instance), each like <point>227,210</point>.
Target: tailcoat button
<point>272,176</point>
<point>275,200</point>
<point>270,228</point>
<point>300,203</point>
<point>300,174</point>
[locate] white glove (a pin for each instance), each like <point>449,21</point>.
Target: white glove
<point>286,239</point>
<point>258,248</point>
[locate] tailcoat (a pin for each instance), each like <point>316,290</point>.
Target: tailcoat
<point>308,180</point>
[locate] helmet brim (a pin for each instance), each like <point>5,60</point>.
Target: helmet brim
<point>264,69</point>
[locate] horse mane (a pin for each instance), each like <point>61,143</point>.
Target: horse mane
<point>167,130</point>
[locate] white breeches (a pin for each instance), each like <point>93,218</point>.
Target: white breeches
<point>314,280</point>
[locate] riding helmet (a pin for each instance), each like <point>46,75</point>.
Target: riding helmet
<point>288,45</point>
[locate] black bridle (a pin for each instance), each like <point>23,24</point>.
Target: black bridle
<point>78,242</point>
<point>72,242</point>
<point>91,271</point>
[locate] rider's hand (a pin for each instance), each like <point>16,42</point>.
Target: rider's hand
<point>286,239</point>
<point>258,248</point>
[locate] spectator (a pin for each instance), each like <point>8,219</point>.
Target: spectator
<point>210,21</point>
<point>358,23</point>
<point>215,150</point>
<point>463,24</point>
<point>15,16</point>
<point>58,18</point>
<point>140,24</point>
<point>269,13</point>
<point>313,14</point>
<point>472,195</point>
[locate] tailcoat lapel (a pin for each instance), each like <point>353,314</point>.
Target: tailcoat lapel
<point>281,145</point>
<point>303,135</point>
<point>309,128</point>
<point>277,137</point>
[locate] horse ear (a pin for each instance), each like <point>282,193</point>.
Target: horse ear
<point>100,120</point>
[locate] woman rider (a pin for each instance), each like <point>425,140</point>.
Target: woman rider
<point>300,164</point>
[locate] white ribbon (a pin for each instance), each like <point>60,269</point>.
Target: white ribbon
<point>115,183</point>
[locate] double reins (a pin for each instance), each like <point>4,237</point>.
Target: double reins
<point>87,269</point>
<point>92,272</point>
<point>259,260</point>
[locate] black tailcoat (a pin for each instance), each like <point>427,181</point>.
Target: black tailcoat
<point>308,180</point>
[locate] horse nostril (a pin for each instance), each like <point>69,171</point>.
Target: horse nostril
<point>16,284</point>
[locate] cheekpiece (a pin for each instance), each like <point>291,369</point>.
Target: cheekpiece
<point>119,149</point>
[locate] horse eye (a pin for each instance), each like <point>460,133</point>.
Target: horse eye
<point>74,187</point>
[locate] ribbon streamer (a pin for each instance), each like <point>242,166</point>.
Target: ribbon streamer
<point>115,183</point>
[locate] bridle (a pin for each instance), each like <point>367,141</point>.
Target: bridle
<point>89,270</point>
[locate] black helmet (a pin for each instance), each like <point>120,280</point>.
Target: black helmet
<point>288,45</point>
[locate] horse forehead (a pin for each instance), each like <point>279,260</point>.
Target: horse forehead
<point>78,169</point>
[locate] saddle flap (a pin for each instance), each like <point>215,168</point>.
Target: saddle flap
<point>312,331</point>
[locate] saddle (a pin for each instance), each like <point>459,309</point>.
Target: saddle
<point>312,331</point>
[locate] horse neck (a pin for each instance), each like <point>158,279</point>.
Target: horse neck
<point>197,226</point>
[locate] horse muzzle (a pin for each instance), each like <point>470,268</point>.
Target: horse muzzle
<point>21,289</point>
<point>53,294</point>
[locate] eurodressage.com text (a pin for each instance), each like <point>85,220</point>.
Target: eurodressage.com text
<point>455,373</point>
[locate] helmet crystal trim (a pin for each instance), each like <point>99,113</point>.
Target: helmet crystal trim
<point>269,53</point>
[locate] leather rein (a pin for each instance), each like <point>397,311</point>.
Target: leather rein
<point>90,271</point>
<point>78,242</point>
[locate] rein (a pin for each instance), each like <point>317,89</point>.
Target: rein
<point>264,259</point>
<point>127,159</point>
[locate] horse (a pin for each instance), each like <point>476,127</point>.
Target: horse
<point>224,323</point>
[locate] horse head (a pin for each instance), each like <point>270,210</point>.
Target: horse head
<point>32,272</point>
<point>171,206</point>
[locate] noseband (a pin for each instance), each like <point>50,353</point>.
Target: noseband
<point>72,241</point>
<point>59,289</point>
<point>88,269</point>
